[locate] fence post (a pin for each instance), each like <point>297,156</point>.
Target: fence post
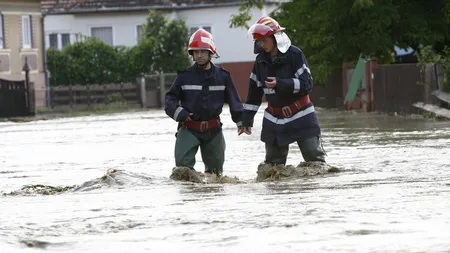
<point>72,100</point>
<point>50,101</point>
<point>162,89</point>
<point>143,92</point>
<point>105,94</point>
<point>88,95</point>
<point>26,68</point>
<point>427,81</point>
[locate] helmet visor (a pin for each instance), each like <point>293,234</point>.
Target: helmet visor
<point>259,31</point>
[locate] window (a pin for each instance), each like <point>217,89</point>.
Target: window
<point>139,33</point>
<point>104,34</point>
<point>195,28</point>
<point>2,33</point>
<point>59,40</point>
<point>26,32</point>
<point>53,38</point>
<point>65,39</point>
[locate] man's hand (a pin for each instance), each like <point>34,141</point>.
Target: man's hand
<point>271,82</point>
<point>247,130</point>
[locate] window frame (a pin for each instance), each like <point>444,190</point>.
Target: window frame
<point>136,29</point>
<point>104,26</point>
<point>27,33</point>
<point>2,32</point>
<point>196,27</point>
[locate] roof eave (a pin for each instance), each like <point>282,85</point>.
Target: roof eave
<point>141,8</point>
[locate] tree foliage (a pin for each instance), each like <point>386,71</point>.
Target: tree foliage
<point>331,32</point>
<point>171,39</point>
<point>428,55</point>
<point>163,48</point>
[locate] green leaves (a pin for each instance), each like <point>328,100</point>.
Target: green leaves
<point>163,48</point>
<point>428,55</point>
<point>333,31</point>
<point>87,62</point>
<point>170,39</point>
<point>360,4</point>
<point>241,19</point>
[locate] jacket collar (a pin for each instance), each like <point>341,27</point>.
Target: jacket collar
<point>196,69</point>
<point>279,60</point>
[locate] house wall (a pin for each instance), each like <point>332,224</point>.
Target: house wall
<point>232,43</point>
<point>240,73</point>
<point>234,46</point>
<point>123,25</point>
<point>13,52</point>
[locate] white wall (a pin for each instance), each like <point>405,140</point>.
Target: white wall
<point>124,25</point>
<point>233,44</point>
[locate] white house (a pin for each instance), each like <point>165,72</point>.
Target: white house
<point>119,22</point>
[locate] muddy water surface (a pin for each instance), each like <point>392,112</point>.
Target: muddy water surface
<point>392,196</point>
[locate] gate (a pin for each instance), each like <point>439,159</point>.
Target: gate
<point>17,97</point>
<point>396,87</point>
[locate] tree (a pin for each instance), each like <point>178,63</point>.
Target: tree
<point>91,62</point>
<point>163,49</point>
<point>241,19</point>
<point>331,32</point>
<point>170,39</point>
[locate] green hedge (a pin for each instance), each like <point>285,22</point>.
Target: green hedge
<point>94,62</point>
<point>428,55</point>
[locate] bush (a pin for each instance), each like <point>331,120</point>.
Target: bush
<point>94,62</point>
<point>57,64</point>
<point>427,55</point>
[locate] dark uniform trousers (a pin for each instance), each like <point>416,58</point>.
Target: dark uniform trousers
<point>212,151</point>
<point>310,148</point>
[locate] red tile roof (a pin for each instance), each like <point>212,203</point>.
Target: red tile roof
<point>74,6</point>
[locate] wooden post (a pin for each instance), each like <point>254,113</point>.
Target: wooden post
<point>162,89</point>
<point>428,80</point>
<point>122,92</point>
<point>88,94</point>
<point>143,92</point>
<point>345,83</point>
<point>26,68</point>
<point>105,94</point>
<point>368,85</point>
<point>51,91</point>
<point>71,96</point>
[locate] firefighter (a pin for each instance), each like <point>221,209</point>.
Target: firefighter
<point>195,100</point>
<point>282,74</point>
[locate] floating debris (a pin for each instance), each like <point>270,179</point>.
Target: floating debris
<point>35,244</point>
<point>112,178</point>
<point>39,190</point>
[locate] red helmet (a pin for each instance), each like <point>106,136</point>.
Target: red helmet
<point>265,26</point>
<point>202,40</point>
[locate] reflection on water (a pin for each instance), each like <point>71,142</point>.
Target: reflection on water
<point>392,195</point>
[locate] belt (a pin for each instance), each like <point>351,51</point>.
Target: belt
<point>294,107</point>
<point>202,126</point>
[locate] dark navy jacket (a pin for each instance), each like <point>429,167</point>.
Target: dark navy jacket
<point>203,93</point>
<point>293,81</point>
